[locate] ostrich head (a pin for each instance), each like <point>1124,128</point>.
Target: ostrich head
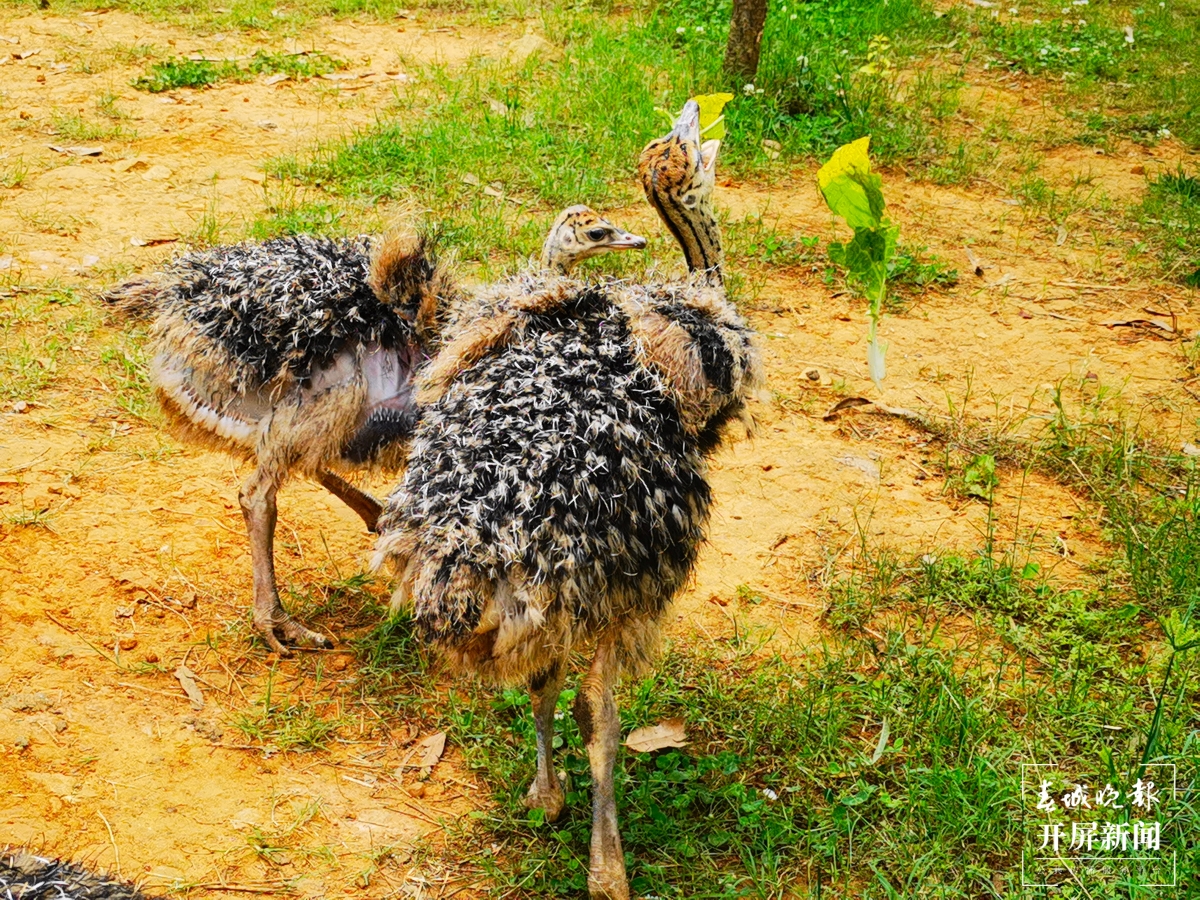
<point>578,233</point>
<point>678,173</point>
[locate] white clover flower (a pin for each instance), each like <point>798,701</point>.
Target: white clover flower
<point>747,89</point>
<point>1012,11</point>
<point>699,29</point>
<point>681,30</point>
<point>793,17</point>
<point>1079,2</point>
<point>1164,132</point>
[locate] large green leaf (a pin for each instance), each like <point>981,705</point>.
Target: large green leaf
<point>712,119</point>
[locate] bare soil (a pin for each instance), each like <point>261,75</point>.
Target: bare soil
<point>140,564</point>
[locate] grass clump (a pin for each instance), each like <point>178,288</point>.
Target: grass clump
<point>172,74</point>
<point>1169,214</point>
<point>177,72</point>
<point>37,330</point>
<point>291,723</point>
<point>74,127</point>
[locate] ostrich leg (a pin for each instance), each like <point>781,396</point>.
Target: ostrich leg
<point>546,793</point>
<point>257,499</point>
<point>367,507</point>
<point>596,714</point>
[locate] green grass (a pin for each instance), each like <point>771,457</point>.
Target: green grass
<point>75,127</point>
<point>39,330</point>
<point>177,72</point>
<point>1143,90</point>
<point>237,15</point>
<point>883,760</point>
<point>288,722</point>
<point>13,174</point>
<point>1169,215</point>
<point>545,135</point>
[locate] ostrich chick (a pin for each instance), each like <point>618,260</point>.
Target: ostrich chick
<point>298,354</point>
<point>555,494</point>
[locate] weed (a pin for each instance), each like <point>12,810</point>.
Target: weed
<point>125,361</point>
<point>14,174</point>
<point>106,105</point>
<point>291,724</point>
<point>914,270</point>
<point>1169,216</point>
<point>29,518</point>
<point>294,65</point>
<point>301,217</point>
<point>35,331</point>
<point>67,226</point>
<point>74,127</point>
<point>172,74</point>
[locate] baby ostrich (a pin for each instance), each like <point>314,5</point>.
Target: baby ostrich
<point>555,492</point>
<point>298,353</point>
<point>24,876</point>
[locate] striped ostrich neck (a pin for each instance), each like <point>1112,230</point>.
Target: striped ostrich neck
<point>697,232</point>
<point>677,174</point>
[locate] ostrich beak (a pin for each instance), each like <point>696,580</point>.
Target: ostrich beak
<point>687,126</point>
<point>627,241</point>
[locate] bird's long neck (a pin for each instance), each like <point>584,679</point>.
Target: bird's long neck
<point>555,259</point>
<point>695,229</point>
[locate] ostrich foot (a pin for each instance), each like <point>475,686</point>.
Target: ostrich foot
<point>549,797</point>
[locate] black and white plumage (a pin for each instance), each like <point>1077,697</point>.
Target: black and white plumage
<point>555,494</point>
<point>298,353</point>
<point>562,477</point>
<point>24,876</point>
<point>289,304</point>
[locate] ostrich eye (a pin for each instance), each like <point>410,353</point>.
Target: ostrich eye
<point>597,234</point>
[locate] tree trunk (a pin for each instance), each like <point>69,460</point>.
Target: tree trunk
<point>745,40</point>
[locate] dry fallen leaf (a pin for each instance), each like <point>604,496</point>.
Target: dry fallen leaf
<point>845,403</point>
<point>187,681</point>
<point>667,733</point>
<point>1141,321</point>
<point>433,747</point>
<point>868,467</point>
<point>77,151</point>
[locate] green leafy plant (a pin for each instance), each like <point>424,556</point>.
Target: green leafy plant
<point>853,192</point>
<point>979,477</point>
<point>171,74</point>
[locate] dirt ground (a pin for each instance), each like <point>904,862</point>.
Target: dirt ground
<point>142,565</point>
